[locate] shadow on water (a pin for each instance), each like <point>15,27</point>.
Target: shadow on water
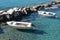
<point>33,25</point>
<point>32,17</point>
<point>35,31</point>
<point>1,31</point>
<point>54,10</point>
<point>56,18</point>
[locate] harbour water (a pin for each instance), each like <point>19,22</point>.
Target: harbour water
<point>43,28</point>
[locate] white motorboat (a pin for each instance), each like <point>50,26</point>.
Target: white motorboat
<point>47,14</point>
<point>20,25</point>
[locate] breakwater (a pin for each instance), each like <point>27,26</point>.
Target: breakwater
<point>19,13</point>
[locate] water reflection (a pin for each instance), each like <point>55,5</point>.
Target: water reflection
<point>35,31</point>
<point>1,30</point>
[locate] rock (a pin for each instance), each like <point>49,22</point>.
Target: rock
<point>53,2</point>
<point>33,9</point>
<point>15,9</point>
<point>40,7</point>
<point>23,11</point>
<point>4,13</point>
<point>10,11</point>
<point>58,2</point>
<point>28,11</point>
<point>48,5</point>
<point>1,11</point>
<point>16,16</point>
<point>19,9</point>
<point>8,17</point>
<point>3,18</point>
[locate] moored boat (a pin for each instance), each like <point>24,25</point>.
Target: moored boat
<point>20,25</point>
<point>47,14</point>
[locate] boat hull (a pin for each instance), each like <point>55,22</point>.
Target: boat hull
<point>18,27</point>
<point>24,26</point>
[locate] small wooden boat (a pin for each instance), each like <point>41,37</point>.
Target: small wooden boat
<point>47,14</point>
<point>20,25</point>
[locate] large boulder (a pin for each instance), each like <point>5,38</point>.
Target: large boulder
<point>48,5</point>
<point>16,15</point>
<point>1,11</point>
<point>10,11</point>
<point>8,17</point>
<point>3,18</point>
<point>15,9</point>
<point>4,13</point>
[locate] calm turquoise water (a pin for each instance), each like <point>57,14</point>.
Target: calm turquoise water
<point>43,29</point>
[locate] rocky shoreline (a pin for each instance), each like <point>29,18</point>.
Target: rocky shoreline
<point>19,13</point>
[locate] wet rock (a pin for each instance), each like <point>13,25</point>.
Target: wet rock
<point>19,9</point>
<point>16,16</point>
<point>24,10</point>
<point>35,6</point>
<point>8,17</point>
<point>3,18</point>
<point>1,11</point>
<point>10,11</point>
<point>41,8</point>
<point>4,13</point>
<point>54,3</point>
<point>28,11</point>
<point>38,7</point>
<point>33,9</point>
<point>48,5</point>
<point>15,9</point>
